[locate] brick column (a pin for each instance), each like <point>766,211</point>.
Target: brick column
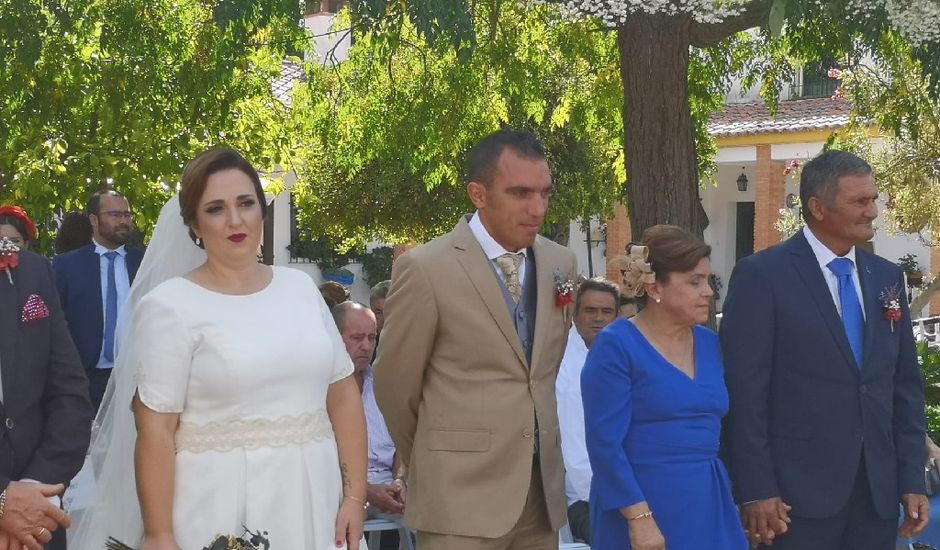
<point>769,198</point>
<point>934,271</point>
<point>618,237</point>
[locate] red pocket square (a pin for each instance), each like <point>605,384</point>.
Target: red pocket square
<point>34,309</point>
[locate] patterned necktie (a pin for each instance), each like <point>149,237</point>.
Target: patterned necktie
<point>509,264</point>
<point>852,317</point>
<point>110,309</point>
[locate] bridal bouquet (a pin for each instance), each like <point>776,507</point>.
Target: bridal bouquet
<point>248,541</point>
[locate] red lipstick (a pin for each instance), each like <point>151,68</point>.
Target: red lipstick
<point>237,237</point>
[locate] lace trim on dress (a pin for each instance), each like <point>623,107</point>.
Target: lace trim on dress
<point>253,434</point>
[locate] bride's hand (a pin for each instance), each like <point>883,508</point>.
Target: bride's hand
<point>159,542</point>
<point>349,522</point>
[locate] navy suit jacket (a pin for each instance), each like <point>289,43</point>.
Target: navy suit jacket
<point>802,411</point>
<point>78,278</point>
<point>45,417</point>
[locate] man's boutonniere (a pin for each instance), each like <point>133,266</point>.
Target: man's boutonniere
<point>891,302</point>
<point>564,292</point>
<point>9,257</point>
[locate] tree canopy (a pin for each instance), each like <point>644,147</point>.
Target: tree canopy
<point>654,39</point>
<point>386,136</point>
<point>123,93</point>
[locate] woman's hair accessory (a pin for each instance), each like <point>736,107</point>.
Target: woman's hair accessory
<point>635,270</point>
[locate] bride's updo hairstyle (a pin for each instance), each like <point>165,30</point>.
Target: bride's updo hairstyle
<point>196,176</point>
<point>665,249</point>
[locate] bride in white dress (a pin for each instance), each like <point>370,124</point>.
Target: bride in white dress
<point>246,414</point>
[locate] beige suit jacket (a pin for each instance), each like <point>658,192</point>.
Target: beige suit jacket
<point>459,399</point>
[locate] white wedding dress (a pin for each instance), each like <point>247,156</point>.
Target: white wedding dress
<point>248,376</point>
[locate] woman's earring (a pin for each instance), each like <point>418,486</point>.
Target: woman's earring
<point>658,300</point>
<point>198,241</point>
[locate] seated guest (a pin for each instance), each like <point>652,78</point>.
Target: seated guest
<point>16,226</point>
<point>386,487</point>
<point>654,396</point>
<point>595,307</point>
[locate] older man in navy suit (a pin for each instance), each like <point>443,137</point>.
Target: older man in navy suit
<point>94,281</point>
<point>45,415</point>
<point>826,430</point>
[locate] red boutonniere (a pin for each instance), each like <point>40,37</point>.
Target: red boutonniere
<point>564,292</point>
<point>891,302</point>
<point>9,257</point>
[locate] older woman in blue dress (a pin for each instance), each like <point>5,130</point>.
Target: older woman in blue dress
<point>654,397</point>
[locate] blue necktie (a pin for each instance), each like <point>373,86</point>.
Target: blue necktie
<point>852,317</point>
<point>110,309</point>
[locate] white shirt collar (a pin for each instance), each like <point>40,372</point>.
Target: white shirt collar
<point>491,248</point>
<point>823,254</point>
<point>102,250</point>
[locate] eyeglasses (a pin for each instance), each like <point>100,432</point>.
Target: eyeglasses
<point>118,214</point>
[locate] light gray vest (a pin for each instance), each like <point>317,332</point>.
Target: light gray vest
<point>523,313</point>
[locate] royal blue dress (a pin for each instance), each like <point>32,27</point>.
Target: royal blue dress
<point>652,434</point>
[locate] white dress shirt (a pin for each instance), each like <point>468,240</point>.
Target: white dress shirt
<point>493,249</point>
<point>381,446</point>
<point>571,419</point>
<point>122,282</point>
<point>824,256</point>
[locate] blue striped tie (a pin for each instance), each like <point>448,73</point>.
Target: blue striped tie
<point>110,309</point>
<point>852,317</point>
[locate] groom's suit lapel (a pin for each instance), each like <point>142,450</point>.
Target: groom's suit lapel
<point>545,288</point>
<point>474,262</point>
<point>808,268</point>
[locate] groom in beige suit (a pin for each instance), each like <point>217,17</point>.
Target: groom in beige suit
<point>466,368</point>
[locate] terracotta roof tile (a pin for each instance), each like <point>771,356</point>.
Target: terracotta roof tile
<point>792,116</point>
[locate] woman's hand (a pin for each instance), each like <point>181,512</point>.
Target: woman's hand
<point>159,542</point>
<point>349,522</point>
<point>645,535</point>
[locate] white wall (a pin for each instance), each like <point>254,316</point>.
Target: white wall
<point>325,39</point>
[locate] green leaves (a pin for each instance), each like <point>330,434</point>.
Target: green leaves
<point>125,92</point>
<point>386,132</point>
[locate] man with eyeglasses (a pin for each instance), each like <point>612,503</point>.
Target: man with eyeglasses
<point>94,281</point>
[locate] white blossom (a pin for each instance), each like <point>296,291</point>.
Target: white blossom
<point>918,20</point>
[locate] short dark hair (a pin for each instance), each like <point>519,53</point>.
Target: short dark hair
<point>598,284</point>
<point>485,155</point>
<point>379,291</point>
<point>196,176</point>
<point>74,232</point>
<point>627,300</point>
<point>673,250</point>
<point>342,309</point>
<point>820,177</point>
<point>94,203</point>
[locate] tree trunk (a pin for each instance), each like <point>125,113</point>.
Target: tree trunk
<point>659,139</point>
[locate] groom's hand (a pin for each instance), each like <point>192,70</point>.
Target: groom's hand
<point>28,517</point>
<point>765,519</point>
<point>916,515</point>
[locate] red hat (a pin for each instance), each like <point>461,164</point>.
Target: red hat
<point>17,212</point>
